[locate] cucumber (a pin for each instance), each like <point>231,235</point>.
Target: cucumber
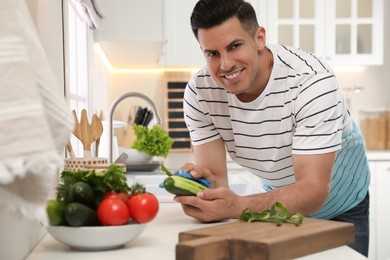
<point>82,192</point>
<point>182,186</point>
<point>78,214</point>
<point>55,212</point>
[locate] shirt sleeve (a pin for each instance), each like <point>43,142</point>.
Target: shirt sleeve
<point>318,116</point>
<point>197,116</point>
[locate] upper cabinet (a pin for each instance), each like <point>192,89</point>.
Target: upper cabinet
<point>131,36</point>
<point>182,48</point>
<point>344,32</point>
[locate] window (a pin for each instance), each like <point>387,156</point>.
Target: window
<point>76,65</point>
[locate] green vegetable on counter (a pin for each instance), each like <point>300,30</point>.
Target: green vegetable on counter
<point>154,141</point>
<point>277,214</point>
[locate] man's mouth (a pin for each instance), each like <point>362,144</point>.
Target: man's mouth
<point>233,75</point>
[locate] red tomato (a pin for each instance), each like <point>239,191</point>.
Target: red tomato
<point>143,207</point>
<point>113,212</point>
<point>112,194</point>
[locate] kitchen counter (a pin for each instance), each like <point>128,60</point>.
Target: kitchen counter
<point>158,241</point>
<point>383,155</point>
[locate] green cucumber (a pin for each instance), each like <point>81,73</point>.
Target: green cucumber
<point>55,212</point>
<point>82,192</point>
<point>182,186</point>
<point>78,214</point>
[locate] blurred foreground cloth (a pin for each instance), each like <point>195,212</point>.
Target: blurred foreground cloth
<point>35,122</point>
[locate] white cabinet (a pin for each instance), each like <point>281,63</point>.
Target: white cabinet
<point>345,32</point>
<point>131,36</point>
<point>382,209</point>
<point>379,210</point>
<point>182,48</point>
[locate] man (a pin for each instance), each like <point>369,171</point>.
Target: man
<point>279,112</point>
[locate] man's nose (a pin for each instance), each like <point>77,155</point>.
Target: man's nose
<point>227,62</point>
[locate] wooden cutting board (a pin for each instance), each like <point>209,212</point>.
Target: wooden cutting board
<point>259,240</point>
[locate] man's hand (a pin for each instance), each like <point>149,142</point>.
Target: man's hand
<point>199,172</point>
<point>212,205</point>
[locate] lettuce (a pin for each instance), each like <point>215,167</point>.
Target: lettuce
<point>154,141</point>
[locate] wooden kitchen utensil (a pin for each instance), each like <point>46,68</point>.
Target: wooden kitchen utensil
<point>87,133</point>
<point>97,130</point>
<point>69,148</point>
<point>259,240</point>
<point>97,143</point>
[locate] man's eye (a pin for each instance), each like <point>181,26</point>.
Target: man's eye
<point>234,46</point>
<point>212,54</point>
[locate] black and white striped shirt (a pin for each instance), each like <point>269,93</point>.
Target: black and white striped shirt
<point>301,111</point>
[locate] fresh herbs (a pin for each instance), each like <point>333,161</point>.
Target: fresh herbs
<point>154,141</point>
<point>277,214</point>
<point>114,179</point>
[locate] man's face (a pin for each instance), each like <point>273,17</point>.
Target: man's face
<point>232,56</point>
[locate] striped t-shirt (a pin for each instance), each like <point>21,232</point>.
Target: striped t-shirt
<point>301,111</point>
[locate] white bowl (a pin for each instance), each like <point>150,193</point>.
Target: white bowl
<point>96,238</point>
<point>135,156</point>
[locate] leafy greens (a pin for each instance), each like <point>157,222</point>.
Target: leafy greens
<point>114,179</point>
<point>154,141</point>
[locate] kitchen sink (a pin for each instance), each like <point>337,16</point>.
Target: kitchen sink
<point>240,183</point>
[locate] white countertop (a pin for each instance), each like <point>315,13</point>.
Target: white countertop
<point>378,155</point>
<point>158,241</point>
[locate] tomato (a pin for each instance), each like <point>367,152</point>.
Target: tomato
<point>112,194</point>
<point>143,207</point>
<point>113,212</point>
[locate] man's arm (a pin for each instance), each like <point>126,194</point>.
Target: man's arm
<point>210,162</point>
<point>307,195</point>
<point>310,191</point>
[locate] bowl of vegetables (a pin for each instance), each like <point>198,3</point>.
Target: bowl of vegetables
<point>98,210</point>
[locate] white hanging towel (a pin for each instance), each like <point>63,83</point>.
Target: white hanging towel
<point>35,122</point>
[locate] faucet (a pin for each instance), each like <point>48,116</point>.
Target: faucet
<point>116,102</point>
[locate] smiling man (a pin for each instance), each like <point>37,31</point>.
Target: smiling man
<point>279,112</point>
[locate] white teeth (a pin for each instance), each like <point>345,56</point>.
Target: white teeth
<point>234,75</point>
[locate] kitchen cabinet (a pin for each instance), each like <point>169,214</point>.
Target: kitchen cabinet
<point>344,32</point>
<point>181,47</point>
<point>379,210</point>
<point>131,34</point>
<point>347,32</point>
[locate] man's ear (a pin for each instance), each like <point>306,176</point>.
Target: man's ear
<point>260,38</point>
